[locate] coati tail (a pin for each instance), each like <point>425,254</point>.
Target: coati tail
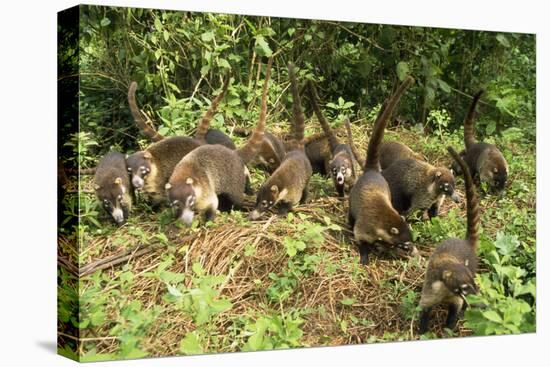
<point>138,118</point>
<point>297,114</point>
<point>469,136</point>
<point>314,97</point>
<point>204,125</point>
<point>472,203</point>
<point>373,151</point>
<point>252,146</point>
<point>352,146</point>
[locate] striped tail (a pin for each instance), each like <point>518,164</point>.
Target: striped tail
<point>469,136</point>
<point>472,202</point>
<point>373,151</point>
<point>314,97</point>
<point>138,118</point>
<point>352,146</point>
<point>204,125</point>
<point>252,146</point>
<point>298,125</point>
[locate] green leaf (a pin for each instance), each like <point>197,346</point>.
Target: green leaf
<point>207,36</point>
<point>348,301</point>
<point>503,40</point>
<point>222,63</point>
<point>444,86</point>
<point>402,70</point>
<point>158,24</point>
<point>190,344</point>
<point>262,47</point>
<point>492,316</point>
<point>105,22</point>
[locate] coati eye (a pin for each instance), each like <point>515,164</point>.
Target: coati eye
<point>456,290</point>
<point>264,203</point>
<point>129,169</point>
<point>119,197</point>
<point>271,203</point>
<point>394,231</point>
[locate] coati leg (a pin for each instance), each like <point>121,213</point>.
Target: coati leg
<point>233,201</point>
<point>339,190</point>
<point>351,219</point>
<point>364,250</point>
<point>305,194</point>
<point>452,316</point>
<point>424,319</point>
<point>433,211</point>
<point>283,208</point>
<point>210,214</point>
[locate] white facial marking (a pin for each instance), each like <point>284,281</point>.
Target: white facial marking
<point>137,182</point>
<point>340,178</point>
<point>255,214</point>
<point>118,215</point>
<point>187,216</point>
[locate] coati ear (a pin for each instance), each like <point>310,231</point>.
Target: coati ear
<point>495,170</point>
<point>394,231</point>
<point>403,217</point>
<point>126,156</point>
<point>274,189</point>
<point>437,174</point>
<point>147,155</point>
<point>447,274</point>
<point>118,181</point>
<point>97,187</point>
<point>168,186</point>
<point>189,181</point>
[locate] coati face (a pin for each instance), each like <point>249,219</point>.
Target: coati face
<point>494,174</point>
<point>340,169</point>
<point>114,200</point>
<point>445,183</point>
<point>459,280</point>
<point>139,166</point>
<point>393,231</point>
<point>267,197</point>
<point>183,198</point>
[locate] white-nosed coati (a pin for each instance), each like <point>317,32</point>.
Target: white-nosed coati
<point>272,151</point>
<point>112,186</point>
<point>212,173</point>
<point>453,265</point>
<point>340,164</point>
<point>485,161</point>
<point>288,185</point>
<point>210,136</point>
<point>417,185</point>
<point>151,168</point>
<point>392,151</point>
<point>371,214</point>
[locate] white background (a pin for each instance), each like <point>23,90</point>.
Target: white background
<point>28,181</point>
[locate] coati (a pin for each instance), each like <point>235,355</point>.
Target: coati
<point>417,185</point>
<point>453,265</point>
<point>485,161</point>
<point>392,151</point>
<point>340,164</point>
<point>210,136</point>
<point>151,168</point>
<point>371,214</point>
<point>212,173</point>
<point>272,151</point>
<point>112,186</point>
<point>318,151</point>
<point>288,185</point>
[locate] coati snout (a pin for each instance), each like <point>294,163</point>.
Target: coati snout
<point>182,198</point>
<point>445,183</point>
<point>458,279</point>
<point>494,176</point>
<point>341,170</point>
<point>139,166</point>
<point>267,198</point>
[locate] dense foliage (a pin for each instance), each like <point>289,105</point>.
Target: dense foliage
<point>301,285</point>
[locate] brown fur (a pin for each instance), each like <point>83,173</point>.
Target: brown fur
<point>452,267</point>
<point>485,161</point>
<point>392,151</point>
<point>417,185</point>
<point>213,174</point>
<point>371,214</point>
<point>288,185</point>
<point>203,126</point>
<point>340,164</point>
<point>138,118</point>
<point>112,186</point>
